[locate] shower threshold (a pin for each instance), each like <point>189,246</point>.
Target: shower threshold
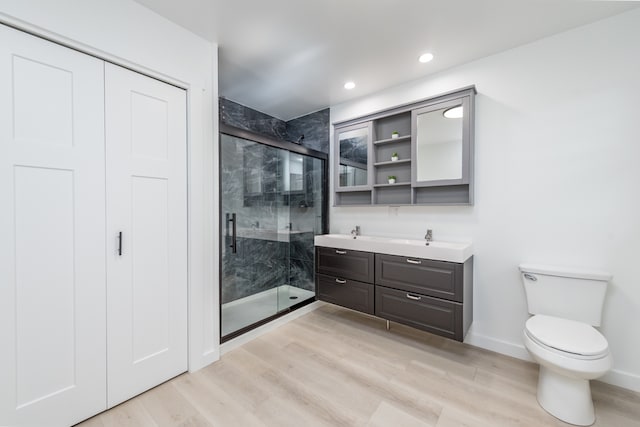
<point>243,312</point>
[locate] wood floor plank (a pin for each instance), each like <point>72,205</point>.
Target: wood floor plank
<point>214,403</point>
<point>94,421</point>
<point>336,367</point>
<point>623,401</point>
<point>349,369</point>
<point>167,406</point>
<point>195,421</point>
<point>496,407</point>
<point>128,414</point>
<point>455,418</point>
<point>389,415</point>
<point>305,385</point>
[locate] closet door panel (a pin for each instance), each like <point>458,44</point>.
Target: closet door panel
<point>52,270</point>
<point>146,199</point>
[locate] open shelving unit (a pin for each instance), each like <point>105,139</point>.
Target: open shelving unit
<point>406,190</point>
<point>383,148</point>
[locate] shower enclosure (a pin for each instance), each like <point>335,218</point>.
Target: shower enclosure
<point>273,202</point>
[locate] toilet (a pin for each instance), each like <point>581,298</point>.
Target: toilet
<point>565,305</point>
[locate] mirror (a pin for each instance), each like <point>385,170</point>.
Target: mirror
<point>292,172</point>
<point>439,144</point>
<point>353,146</point>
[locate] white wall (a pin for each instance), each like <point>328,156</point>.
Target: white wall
<point>557,178</point>
<point>129,34</point>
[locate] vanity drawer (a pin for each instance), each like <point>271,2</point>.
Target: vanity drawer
<point>345,264</point>
<point>434,278</point>
<point>420,311</point>
<point>347,293</point>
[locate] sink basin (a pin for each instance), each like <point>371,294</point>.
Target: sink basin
<point>437,250</point>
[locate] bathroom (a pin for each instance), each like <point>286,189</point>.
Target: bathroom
<point>555,184</point>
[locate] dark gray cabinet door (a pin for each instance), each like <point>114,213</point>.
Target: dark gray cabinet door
<point>345,264</point>
<point>347,293</point>
<point>420,311</point>
<point>434,278</point>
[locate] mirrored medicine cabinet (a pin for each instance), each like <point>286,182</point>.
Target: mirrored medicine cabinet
<point>353,157</point>
<point>414,154</point>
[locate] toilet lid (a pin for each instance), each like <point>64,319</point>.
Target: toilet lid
<point>567,335</point>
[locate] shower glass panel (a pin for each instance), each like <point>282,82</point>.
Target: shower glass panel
<point>272,206</point>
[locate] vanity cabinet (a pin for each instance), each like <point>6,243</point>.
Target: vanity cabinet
<point>351,294</point>
<point>346,264</point>
<point>345,277</point>
<point>433,315</point>
<point>435,296</point>
<point>433,141</point>
<point>438,279</point>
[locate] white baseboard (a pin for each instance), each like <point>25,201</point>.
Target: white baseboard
<point>206,359</point>
<point>499,346</point>
<point>261,330</point>
<point>615,377</point>
<point>622,379</point>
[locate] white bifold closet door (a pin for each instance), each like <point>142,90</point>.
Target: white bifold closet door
<point>52,233</point>
<point>88,150</point>
<point>146,202</point>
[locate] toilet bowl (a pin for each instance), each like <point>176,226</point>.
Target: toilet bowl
<point>570,354</point>
<point>566,304</point>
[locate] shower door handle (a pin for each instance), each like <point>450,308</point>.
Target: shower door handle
<point>234,241</point>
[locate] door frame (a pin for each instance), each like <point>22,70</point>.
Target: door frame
<point>236,132</point>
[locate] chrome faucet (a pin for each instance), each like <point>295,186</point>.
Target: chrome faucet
<point>355,232</point>
<point>429,236</point>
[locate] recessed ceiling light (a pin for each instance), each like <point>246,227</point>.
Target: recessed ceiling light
<point>349,85</point>
<point>425,57</point>
<point>453,112</point>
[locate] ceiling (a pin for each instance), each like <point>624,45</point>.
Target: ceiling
<point>288,58</point>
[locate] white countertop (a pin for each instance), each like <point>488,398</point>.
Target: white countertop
<point>436,250</point>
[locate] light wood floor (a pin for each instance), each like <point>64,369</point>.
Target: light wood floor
<point>335,367</point>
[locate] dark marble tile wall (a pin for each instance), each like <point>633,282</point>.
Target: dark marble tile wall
<point>257,266</point>
<point>260,265</point>
<point>314,127</point>
<point>301,267</point>
<point>246,118</point>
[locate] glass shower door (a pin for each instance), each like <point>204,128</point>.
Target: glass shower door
<point>272,206</point>
<point>254,260</point>
<point>303,180</point>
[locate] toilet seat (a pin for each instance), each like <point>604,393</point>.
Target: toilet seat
<point>567,337</point>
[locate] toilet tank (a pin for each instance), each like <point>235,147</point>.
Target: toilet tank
<point>564,292</point>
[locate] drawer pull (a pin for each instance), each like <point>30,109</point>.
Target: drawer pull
<point>413,261</point>
<point>341,281</point>
<point>341,252</point>
<point>413,297</point>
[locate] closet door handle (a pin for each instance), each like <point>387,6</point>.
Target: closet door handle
<point>413,297</point>
<point>120,243</point>
<point>413,261</point>
<point>341,281</point>
<point>341,252</point>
